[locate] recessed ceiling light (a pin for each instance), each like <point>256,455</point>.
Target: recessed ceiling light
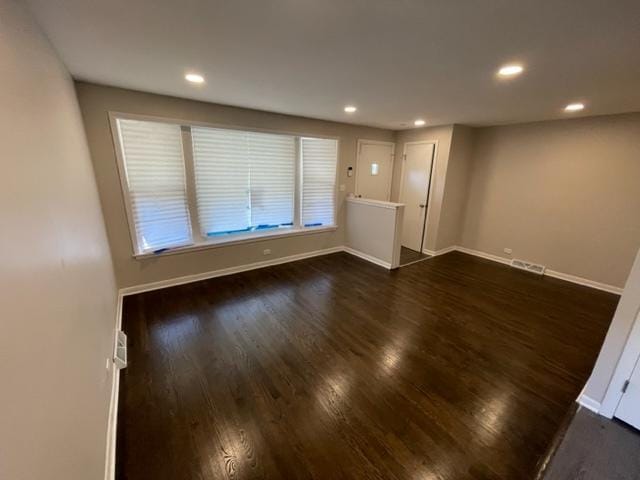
<point>510,70</point>
<point>350,109</point>
<point>194,78</point>
<point>574,107</point>
<point>419,123</point>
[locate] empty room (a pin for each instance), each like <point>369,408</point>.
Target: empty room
<point>320,239</point>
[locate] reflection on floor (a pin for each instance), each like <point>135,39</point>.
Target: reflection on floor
<point>408,256</point>
<point>596,448</point>
<point>335,368</point>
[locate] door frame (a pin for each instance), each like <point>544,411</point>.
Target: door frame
<point>623,371</point>
<point>362,141</point>
<point>432,175</point>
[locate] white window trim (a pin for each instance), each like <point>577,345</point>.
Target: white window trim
<point>200,242</point>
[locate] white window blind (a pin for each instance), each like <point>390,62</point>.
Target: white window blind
<point>155,177</point>
<point>245,181</point>
<point>273,182</point>
<point>319,158</point>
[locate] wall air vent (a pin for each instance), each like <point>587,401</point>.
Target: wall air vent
<point>529,267</point>
<point>120,358</point>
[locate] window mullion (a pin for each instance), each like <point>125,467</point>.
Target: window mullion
<point>248,159</point>
<point>190,177</point>
<point>297,197</point>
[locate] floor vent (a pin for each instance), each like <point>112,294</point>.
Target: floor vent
<point>529,267</point>
<point>120,358</point>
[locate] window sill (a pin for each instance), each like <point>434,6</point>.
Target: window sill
<point>236,240</point>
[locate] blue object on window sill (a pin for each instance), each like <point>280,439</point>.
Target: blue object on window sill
<point>160,250</point>
<point>312,224</point>
<point>228,232</point>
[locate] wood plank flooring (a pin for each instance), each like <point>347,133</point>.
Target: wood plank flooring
<point>334,368</point>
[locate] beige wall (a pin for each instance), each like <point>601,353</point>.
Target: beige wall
<point>565,194</point>
<point>96,101</point>
<point>456,188</point>
<point>57,288</point>
<point>441,136</point>
<point>561,193</point>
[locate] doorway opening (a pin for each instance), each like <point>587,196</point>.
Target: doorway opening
<point>415,191</point>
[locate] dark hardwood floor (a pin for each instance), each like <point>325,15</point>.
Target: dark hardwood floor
<point>334,368</point>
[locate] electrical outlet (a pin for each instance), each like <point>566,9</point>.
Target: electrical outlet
<point>108,364</point>
<point>508,251</point>
<point>266,251</point>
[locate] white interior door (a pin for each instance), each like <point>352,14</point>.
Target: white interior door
<point>414,192</point>
<point>629,407</point>
<point>374,169</point>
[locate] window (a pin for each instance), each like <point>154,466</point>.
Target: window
<point>318,158</point>
<point>245,181</point>
<point>192,185</point>
<point>155,179</point>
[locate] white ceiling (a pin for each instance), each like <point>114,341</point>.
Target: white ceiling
<point>397,60</point>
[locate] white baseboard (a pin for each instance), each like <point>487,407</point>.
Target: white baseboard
<point>589,403</point>
<point>488,256</point>
<point>292,258</point>
<point>119,313</point>
<point>584,281</point>
<point>551,273</point>
<point>367,257</point>
<point>110,459</point>
<point>112,421</point>
<point>147,287</point>
<point>442,251</point>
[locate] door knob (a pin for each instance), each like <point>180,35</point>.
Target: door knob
<point>422,205</point>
